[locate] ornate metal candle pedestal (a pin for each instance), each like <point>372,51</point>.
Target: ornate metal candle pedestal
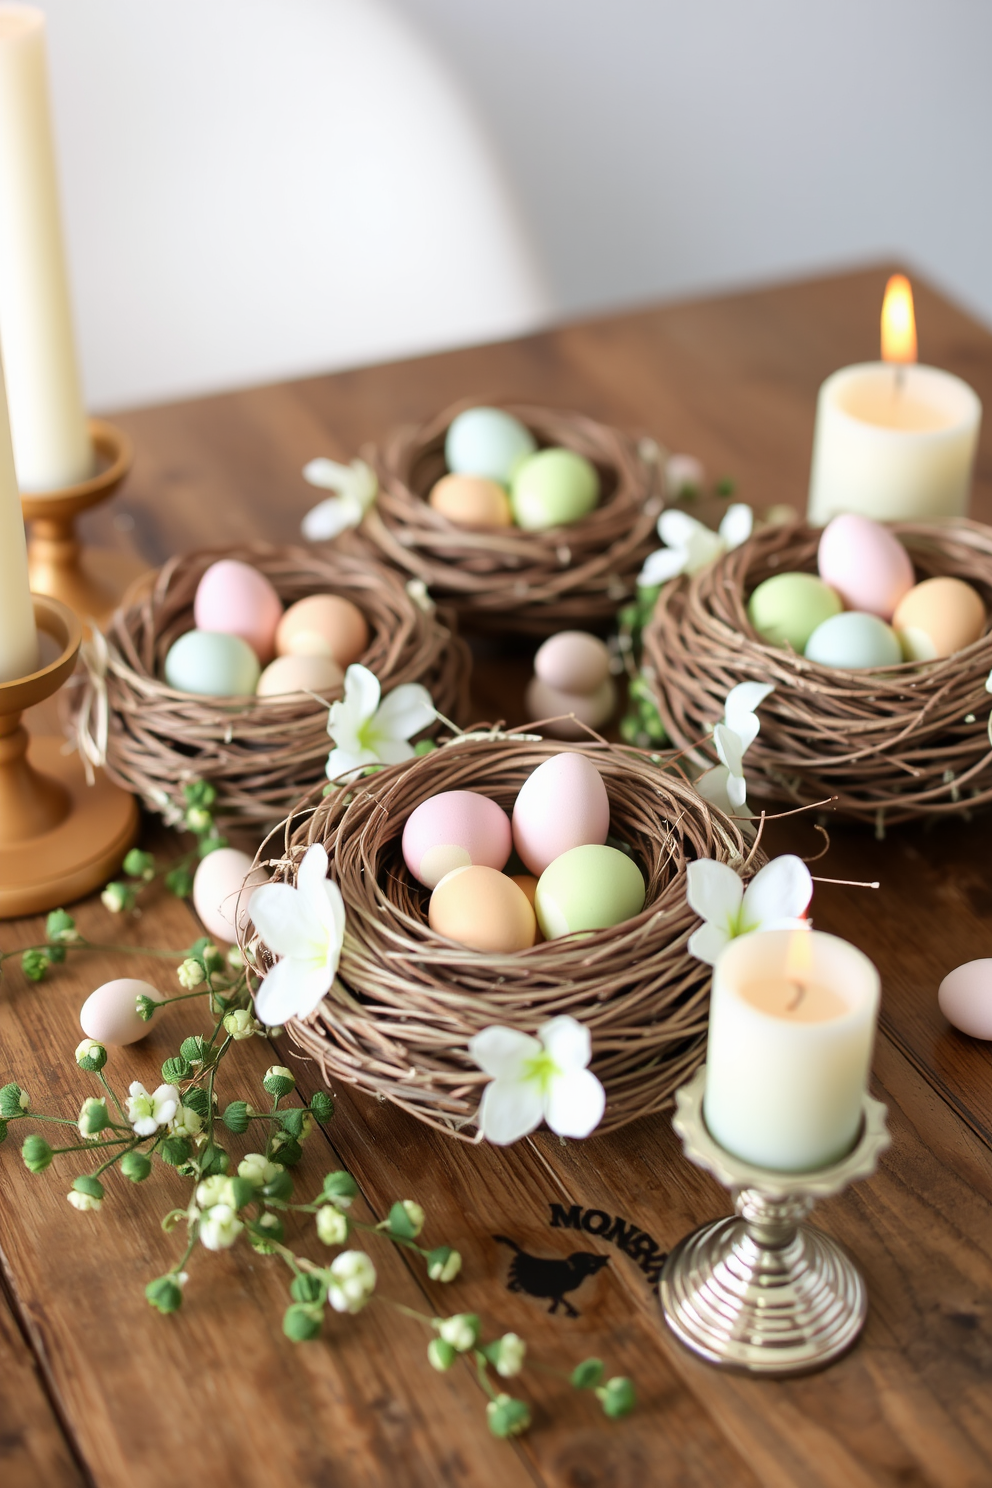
<point>90,581</point>
<point>59,837</point>
<point>764,1291</point>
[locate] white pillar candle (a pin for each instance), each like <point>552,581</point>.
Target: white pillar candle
<point>893,442</point>
<point>48,423</point>
<point>792,1023</point>
<point>18,636</point>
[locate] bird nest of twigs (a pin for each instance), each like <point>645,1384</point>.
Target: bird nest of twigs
<point>406,1002</point>
<point>881,745</point>
<point>532,583</point>
<point>260,754</point>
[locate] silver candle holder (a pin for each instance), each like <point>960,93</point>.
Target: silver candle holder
<point>763,1291</point>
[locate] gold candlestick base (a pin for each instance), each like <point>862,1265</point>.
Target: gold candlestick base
<point>90,581</point>
<point>765,1292</point>
<point>59,837</point>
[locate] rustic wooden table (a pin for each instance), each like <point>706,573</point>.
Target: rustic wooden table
<point>96,1388</point>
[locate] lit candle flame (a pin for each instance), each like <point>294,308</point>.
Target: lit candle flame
<point>898,321</point>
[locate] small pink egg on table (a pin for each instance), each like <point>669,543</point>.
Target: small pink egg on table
<point>569,711</point>
<point>455,829</point>
<point>235,599</point>
<point>965,998</point>
<point>110,1014</point>
<point>222,887</point>
<point>866,564</point>
<point>573,661</point>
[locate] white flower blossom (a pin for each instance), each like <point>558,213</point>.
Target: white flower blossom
<point>84,1202</point>
<point>93,1118</point>
<point>510,1359</point>
<point>351,1281</point>
<point>90,1049</point>
<point>775,899</point>
<point>460,1331</point>
<point>255,1166</point>
<point>186,1122</point>
<point>690,545</point>
<point>240,1024</point>
<point>332,1226</point>
<point>146,1112</point>
<point>211,1191</point>
<point>219,1227</point>
<point>725,784</point>
<point>534,1079</point>
<point>355,487</point>
<point>304,926</point>
<point>369,732</point>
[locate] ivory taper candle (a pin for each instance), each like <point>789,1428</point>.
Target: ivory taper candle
<point>792,1024</point>
<point>18,636</point>
<point>51,441</point>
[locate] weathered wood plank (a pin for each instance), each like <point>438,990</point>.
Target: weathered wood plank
<point>34,1452</point>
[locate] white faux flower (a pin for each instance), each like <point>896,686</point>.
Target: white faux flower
<point>775,899</point>
<point>84,1202</point>
<point>90,1049</point>
<point>535,1079</point>
<point>459,1332</point>
<point>211,1191</point>
<point>369,732</point>
<point>724,784</point>
<point>690,545</point>
<point>255,1166</point>
<point>332,1226</point>
<point>146,1112</point>
<point>355,487</point>
<point>186,1122</point>
<point>220,1227</point>
<point>305,927</point>
<point>351,1281</point>
<point>510,1359</point>
<point>93,1118</point>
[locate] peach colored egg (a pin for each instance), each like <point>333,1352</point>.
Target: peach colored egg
<point>562,804</point>
<point>866,564</point>
<point>471,501</point>
<point>299,674</point>
<point>217,886</point>
<point>937,618</point>
<point>528,883</point>
<point>573,661</point>
<point>110,1014</point>
<point>454,830</point>
<point>965,998</point>
<point>236,599</point>
<point>482,909</point>
<point>593,708</point>
<point>324,625</point>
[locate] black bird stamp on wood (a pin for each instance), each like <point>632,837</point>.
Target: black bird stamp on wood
<point>541,1277</point>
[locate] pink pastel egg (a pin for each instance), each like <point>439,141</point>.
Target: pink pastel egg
<point>562,804</point>
<point>868,566</point>
<point>456,829</point>
<point>217,891</point>
<point>236,599</point>
<point>110,1013</point>
<point>965,998</point>
<point>573,661</point>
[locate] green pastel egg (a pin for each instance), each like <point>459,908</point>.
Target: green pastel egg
<point>213,664</point>
<point>588,888</point>
<point>786,609</point>
<point>553,488</point>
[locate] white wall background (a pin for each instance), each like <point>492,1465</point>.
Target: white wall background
<point>256,188</point>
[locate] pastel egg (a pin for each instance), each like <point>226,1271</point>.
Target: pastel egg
<point>573,661</point>
<point>588,888</point>
<point>594,708</point>
<point>324,625</point>
<point>866,564</point>
<point>455,829</point>
<point>853,640</point>
<point>482,909</point>
<point>786,609</point>
<point>553,488</point>
<point>562,804</point>
<point>937,618</point>
<point>471,501</point>
<point>212,664</point>
<point>296,673</point>
<point>236,599</point>
<point>488,442</point>
<point>217,891</point>
<point>110,1013</point>
<point>965,998</point>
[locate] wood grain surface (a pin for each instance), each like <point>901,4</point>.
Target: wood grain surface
<point>95,1388</point>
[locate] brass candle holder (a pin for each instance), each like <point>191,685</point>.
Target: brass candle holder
<point>90,581</point>
<point>763,1291</point>
<point>59,837</point>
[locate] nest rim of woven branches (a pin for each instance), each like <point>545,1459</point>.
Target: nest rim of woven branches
<point>406,1000</point>
<point>529,582</point>
<point>261,754</point>
<point>878,744</point>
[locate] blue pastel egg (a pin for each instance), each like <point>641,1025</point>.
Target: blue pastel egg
<point>212,664</point>
<point>487,442</point>
<point>853,640</point>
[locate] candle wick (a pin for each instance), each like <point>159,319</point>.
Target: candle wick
<point>800,994</point>
<point>900,378</point>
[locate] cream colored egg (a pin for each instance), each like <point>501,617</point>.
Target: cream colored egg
<point>323,625</point>
<point>484,910</point>
<point>593,709</point>
<point>218,883</point>
<point>573,661</point>
<point>938,618</point>
<point>471,501</point>
<point>110,1014</point>
<point>306,673</point>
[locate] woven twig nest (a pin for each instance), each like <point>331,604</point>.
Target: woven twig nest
<point>529,582</point>
<point>261,755</point>
<point>398,1021</point>
<point>889,744</point>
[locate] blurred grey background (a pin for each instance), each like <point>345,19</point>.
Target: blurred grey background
<point>260,188</point>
